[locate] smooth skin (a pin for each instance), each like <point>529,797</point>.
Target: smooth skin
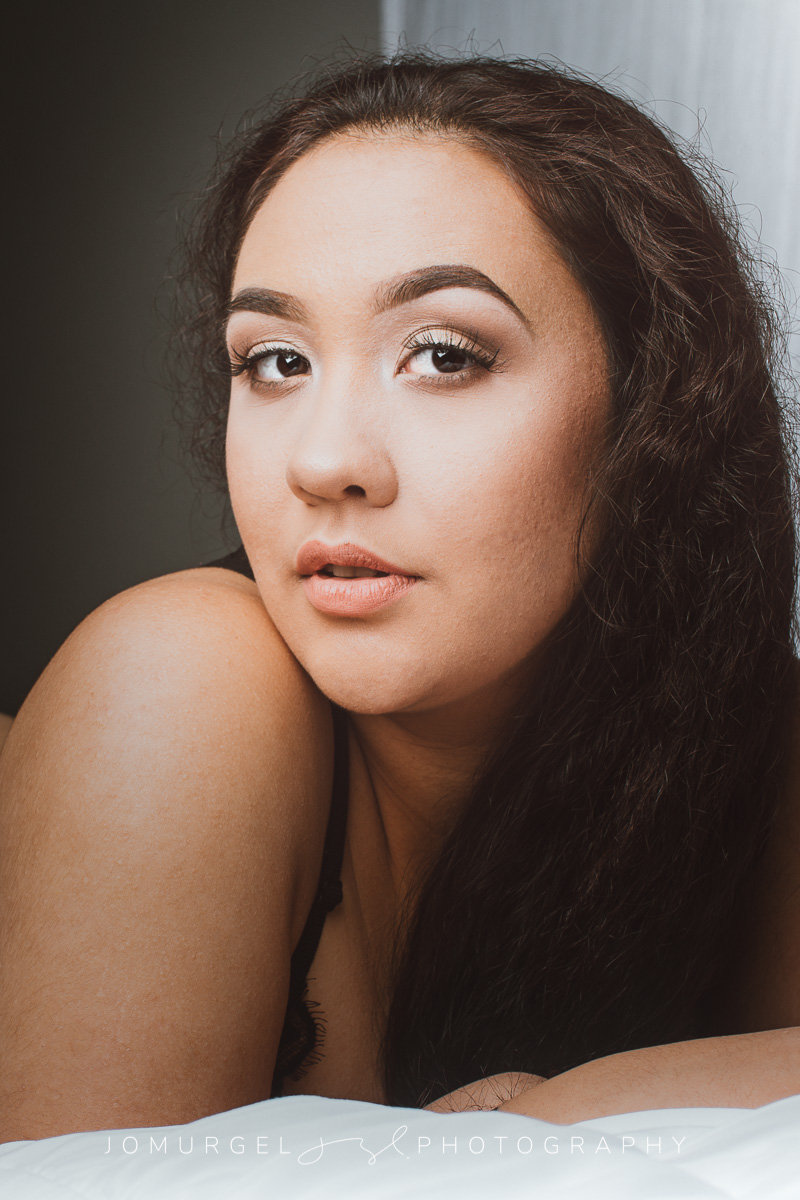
<point>166,785</point>
<point>156,860</point>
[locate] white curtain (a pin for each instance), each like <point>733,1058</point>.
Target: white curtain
<point>724,71</point>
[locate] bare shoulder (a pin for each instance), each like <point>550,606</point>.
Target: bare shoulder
<point>163,790</point>
<point>185,677</point>
<point>208,609</point>
<point>192,658</point>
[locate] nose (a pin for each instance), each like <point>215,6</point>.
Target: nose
<point>341,450</point>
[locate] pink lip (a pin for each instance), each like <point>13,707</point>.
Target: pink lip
<point>350,597</point>
<point>312,556</point>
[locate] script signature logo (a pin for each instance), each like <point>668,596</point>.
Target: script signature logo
<point>318,1150</point>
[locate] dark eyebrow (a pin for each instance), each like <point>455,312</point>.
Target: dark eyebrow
<point>415,284</point>
<point>271,304</point>
<point>404,289</point>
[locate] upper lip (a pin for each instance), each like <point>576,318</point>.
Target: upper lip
<point>312,557</point>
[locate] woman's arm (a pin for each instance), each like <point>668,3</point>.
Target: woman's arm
<point>160,797</point>
<point>740,1071</point>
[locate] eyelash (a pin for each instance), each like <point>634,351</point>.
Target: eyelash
<point>245,364</point>
<point>431,339</point>
<point>425,339</point>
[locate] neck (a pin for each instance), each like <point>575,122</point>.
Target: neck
<point>412,773</point>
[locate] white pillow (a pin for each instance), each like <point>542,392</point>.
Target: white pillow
<point>311,1146</point>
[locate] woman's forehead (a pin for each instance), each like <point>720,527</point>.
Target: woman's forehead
<point>363,208</point>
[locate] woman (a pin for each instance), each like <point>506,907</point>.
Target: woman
<point>510,818</point>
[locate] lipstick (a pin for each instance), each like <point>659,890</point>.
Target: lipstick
<point>351,593</point>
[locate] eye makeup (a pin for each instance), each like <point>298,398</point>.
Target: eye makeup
<point>247,364</point>
<point>446,336</point>
<point>457,356</point>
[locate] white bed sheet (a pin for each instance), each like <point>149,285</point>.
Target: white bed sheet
<point>315,1147</point>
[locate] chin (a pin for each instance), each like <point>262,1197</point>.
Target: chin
<point>358,695</point>
<point>365,686</point>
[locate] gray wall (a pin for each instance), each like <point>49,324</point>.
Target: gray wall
<point>116,111</point>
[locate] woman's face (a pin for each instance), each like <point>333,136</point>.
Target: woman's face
<point>418,375</point>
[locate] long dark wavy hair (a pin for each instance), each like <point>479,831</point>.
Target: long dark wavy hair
<point>589,895</point>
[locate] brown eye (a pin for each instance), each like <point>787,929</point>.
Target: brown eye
<point>449,358</point>
<point>443,359</point>
<point>279,364</point>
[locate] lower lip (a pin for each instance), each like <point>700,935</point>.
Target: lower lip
<point>356,596</point>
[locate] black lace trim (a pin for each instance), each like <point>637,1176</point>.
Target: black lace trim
<point>302,1040</point>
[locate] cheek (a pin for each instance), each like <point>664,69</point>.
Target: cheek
<point>256,476</point>
<point>509,511</point>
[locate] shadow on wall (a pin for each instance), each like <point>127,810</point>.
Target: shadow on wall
<point>121,108</point>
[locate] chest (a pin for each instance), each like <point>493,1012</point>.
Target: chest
<point>344,982</point>
<point>757,988</point>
